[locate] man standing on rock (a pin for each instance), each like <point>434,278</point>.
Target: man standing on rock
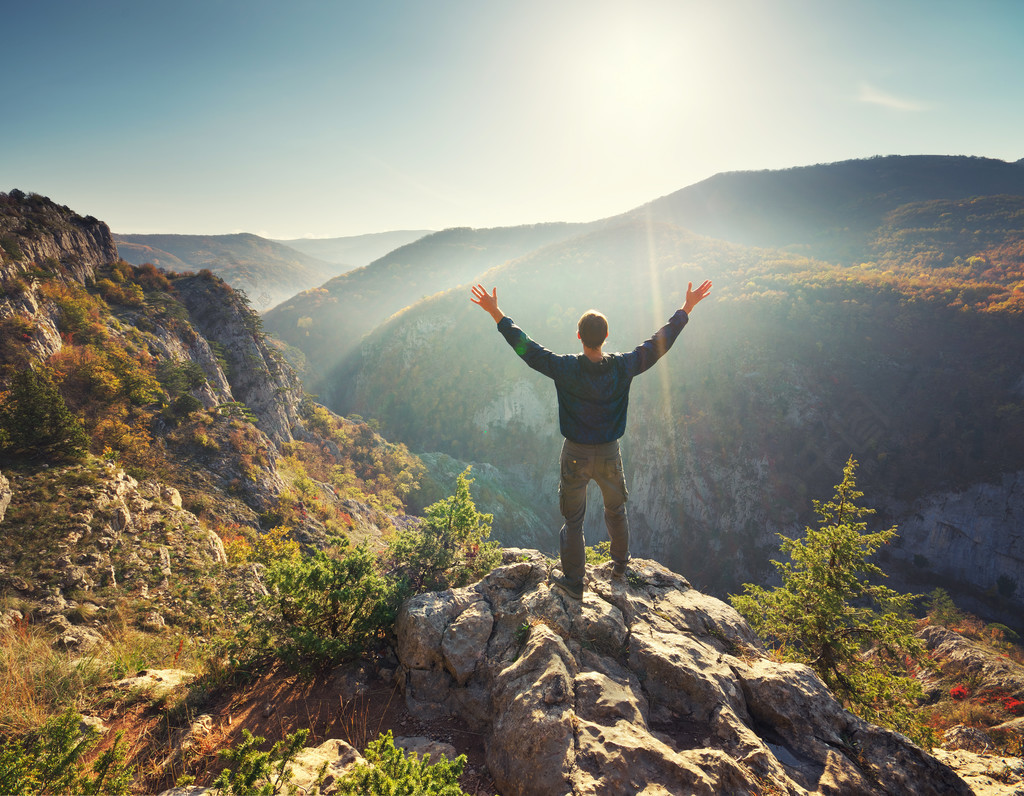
<point>593,396</point>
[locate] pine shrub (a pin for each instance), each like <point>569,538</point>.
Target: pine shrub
<point>388,771</point>
<point>49,761</point>
<point>830,614</point>
<point>450,548</point>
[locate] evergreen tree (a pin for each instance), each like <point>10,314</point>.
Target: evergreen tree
<point>35,422</point>
<point>830,614</point>
<point>449,548</point>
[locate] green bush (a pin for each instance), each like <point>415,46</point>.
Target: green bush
<point>449,548</point>
<point>257,773</point>
<point>10,244</point>
<point>325,608</point>
<point>35,422</point>
<point>49,762</point>
<point>599,553</point>
<point>388,772</point>
<point>184,405</point>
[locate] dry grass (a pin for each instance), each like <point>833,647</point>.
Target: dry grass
<point>37,681</point>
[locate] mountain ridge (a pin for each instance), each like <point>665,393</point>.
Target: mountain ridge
<point>355,250</point>
<point>269,272</point>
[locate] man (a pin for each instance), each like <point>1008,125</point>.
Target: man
<point>593,396</point>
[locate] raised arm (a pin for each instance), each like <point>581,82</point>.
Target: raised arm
<point>694,297</point>
<point>488,302</point>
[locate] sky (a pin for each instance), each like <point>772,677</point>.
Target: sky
<point>332,118</point>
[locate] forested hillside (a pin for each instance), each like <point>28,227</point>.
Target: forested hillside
<point>327,323</point>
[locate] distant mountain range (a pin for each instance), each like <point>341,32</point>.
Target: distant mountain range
<point>357,250</point>
<point>327,323</point>
<point>268,271</point>
<point>831,210</point>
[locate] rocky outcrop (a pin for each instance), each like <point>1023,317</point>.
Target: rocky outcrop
<point>645,686</point>
<point>37,231</point>
<point>963,658</point>
<point>258,376</point>
<point>986,774</point>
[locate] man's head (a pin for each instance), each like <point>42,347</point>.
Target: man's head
<point>592,329</point>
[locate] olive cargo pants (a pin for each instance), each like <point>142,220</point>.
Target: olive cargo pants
<point>579,465</point>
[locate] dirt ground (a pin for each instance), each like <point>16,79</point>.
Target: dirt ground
<point>344,704</point>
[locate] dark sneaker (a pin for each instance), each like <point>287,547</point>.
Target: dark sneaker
<point>574,590</point>
<point>619,569</point>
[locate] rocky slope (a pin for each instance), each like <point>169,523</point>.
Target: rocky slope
<point>109,539</point>
<point>646,686</point>
<point>173,381</point>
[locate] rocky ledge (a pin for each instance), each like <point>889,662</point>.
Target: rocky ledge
<point>646,686</point>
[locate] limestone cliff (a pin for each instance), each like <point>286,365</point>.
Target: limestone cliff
<point>645,686</point>
<point>259,376</point>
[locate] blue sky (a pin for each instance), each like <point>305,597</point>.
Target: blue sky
<point>293,119</point>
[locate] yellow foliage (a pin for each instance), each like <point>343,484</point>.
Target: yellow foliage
<point>275,545</point>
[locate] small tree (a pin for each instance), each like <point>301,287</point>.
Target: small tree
<point>35,422</point>
<point>856,634</point>
<point>326,607</point>
<point>449,548</point>
<point>942,610</point>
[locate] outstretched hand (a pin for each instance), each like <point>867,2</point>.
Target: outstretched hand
<point>694,297</point>
<point>488,302</point>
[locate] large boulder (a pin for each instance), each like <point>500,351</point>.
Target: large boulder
<point>645,686</point>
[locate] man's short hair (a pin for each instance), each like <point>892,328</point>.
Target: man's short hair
<point>593,328</point>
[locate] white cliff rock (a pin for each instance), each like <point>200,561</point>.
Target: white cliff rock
<point>644,686</point>
<point>975,535</point>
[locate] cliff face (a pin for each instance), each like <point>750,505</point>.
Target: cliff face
<point>258,376</point>
<point>37,231</point>
<point>975,535</point>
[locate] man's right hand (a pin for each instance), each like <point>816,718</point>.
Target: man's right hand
<point>694,297</point>
<point>488,302</point>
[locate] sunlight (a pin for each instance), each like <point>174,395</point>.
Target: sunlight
<point>658,310</point>
<point>624,70</point>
